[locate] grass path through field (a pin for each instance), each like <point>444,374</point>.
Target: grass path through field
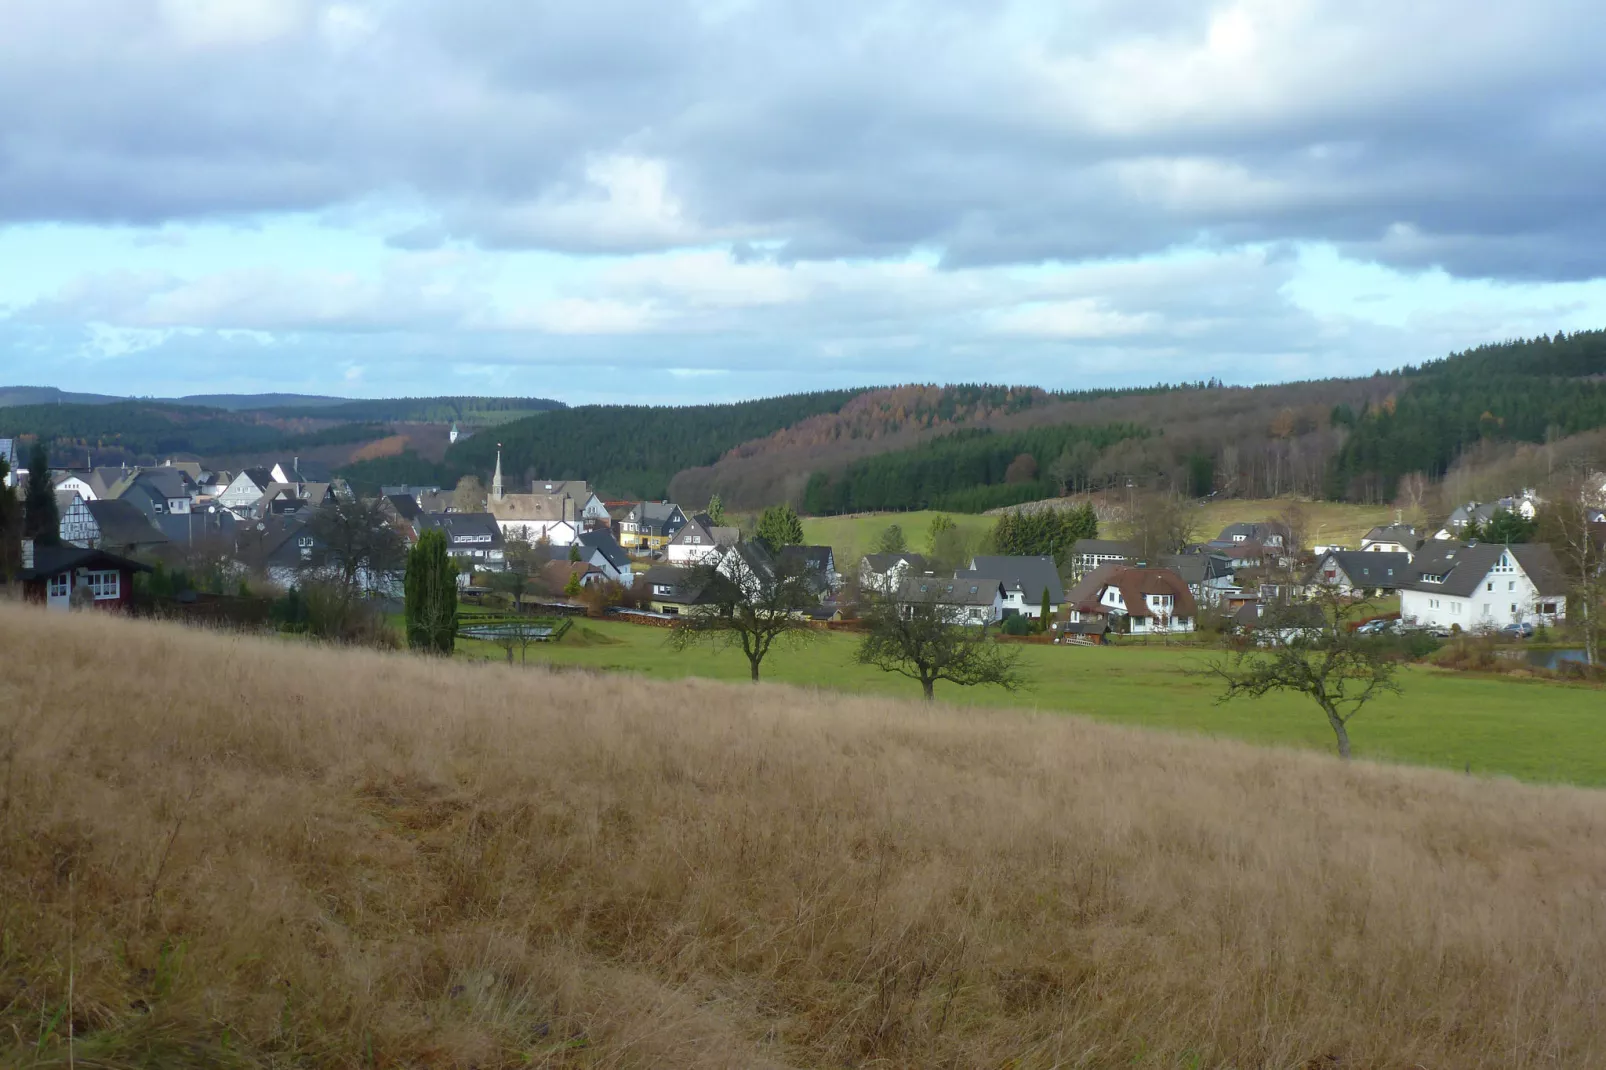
<point>1528,729</point>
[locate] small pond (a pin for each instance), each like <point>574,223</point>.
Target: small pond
<point>1552,659</point>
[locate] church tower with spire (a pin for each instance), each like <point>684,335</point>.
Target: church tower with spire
<point>496,480</point>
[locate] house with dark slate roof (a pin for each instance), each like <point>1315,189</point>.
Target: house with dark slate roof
<point>1362,572</point>
<point>1483,586</point>
<point>1025,579</point>
<point>119,527</point>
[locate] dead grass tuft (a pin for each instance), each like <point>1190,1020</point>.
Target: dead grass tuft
<point>250,853</point>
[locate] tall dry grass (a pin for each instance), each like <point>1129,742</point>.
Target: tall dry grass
<point>224,851</point>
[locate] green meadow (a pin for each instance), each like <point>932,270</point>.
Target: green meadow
<point>1528,729</point>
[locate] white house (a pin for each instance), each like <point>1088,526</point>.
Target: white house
<point>697,539</point>
<point>246,489</point>
<point>78,527</point>
<point>885,573</point>
<point>1362,571</point>
<point>1149,601</point>
<point>1392,539</point>
<point>1025,579</point>
<point>71,482</point>
<point>1483,586</point>
<point>599,549</point>
<point>974,601</point>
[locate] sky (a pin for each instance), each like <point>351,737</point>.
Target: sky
<point>694,200</point>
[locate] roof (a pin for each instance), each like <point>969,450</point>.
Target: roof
<point>122,524</point>
<point>261,477</point>
<point>1197,569</point>
<point>1404,534</point>
<point>809,558</point>
<point>406,506</point>
<point>53,560</point>
<point>534,508</point>
<point>185,528</point>
<point>1464,566</point>
<point>602,541</point>
<point>168,482</point>
<point>970,591</point>
<point>1137,583</point>
<point>884,563</point>
<point>1368,568</point>
<point>574,488</point>
<point>676,578</point>
<point>1259,530</point>
<point>1084,597</point>
<point>1104,548</point>
<point>64,500</point>
<point>1031,576</point>
<point>464,527</point>
<point>655,515</point>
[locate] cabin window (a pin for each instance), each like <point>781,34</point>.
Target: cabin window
<point>104,585</point>
<point>60,586</point>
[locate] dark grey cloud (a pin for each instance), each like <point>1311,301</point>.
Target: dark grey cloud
<point>1467,135</point>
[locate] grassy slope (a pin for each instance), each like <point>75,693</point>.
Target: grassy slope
<point>1327,522</point>
<point>1529,729</point>
<point>854,535</point>
<point>344,859</point>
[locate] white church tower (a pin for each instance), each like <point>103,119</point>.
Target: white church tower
<point>496,480</point>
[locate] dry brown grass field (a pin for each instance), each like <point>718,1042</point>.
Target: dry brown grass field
<point>224,851</point>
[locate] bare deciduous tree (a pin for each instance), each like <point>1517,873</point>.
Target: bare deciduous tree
<point>747,600</point>
<point>1567,524</point>
<point>1310,650</point>
<point>1160,524</point>
<point>924,639</point>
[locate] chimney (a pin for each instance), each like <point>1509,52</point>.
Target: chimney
<point>27,553</point>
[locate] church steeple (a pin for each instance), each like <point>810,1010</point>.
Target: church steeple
<point>496,480</point>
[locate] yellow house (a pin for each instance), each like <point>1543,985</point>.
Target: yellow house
<point>649,526</point>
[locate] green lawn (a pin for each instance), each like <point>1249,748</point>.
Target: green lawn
<point>1523,728</point>
<point>853,536</point>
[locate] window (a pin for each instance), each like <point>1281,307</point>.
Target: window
<point>1547,607</point>
<point>60,586</point>
<point>1489,587</point>
<point>1511,585</point>
<point>103,585</point>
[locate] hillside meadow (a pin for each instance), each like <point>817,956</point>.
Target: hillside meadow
<point>1527,728</point>
<point>856,534</point>
<point>240,852</point>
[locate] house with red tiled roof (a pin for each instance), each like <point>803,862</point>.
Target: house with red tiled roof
<point>1137,601</point>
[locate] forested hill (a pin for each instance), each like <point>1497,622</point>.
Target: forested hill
<point>1523,391</point>
<point>142,431</point>
<point>624,450</point>
<point>478,411</point>
<point>965,471</point>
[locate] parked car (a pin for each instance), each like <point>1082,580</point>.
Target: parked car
<point>1519,630</point>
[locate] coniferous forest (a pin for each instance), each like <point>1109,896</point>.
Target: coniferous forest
<point>1525,391</point>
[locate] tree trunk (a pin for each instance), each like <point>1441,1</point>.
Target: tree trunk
<point>1340,730</point>
<point>753,664</point>
<point>929,686</point>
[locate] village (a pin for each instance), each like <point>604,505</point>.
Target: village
<point>558,544</point>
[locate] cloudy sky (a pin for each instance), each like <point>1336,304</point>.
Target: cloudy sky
<point>707,199</point>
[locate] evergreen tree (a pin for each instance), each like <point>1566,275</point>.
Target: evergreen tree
<point>10,526</point>
<point>891,541</point>
<point>716,511</point>
<point>431,588</point>
<point>1042,620</point>
<point>41,520</point>
<point>574,551</point>
<point>940,524</point>
<point>779,528</point>
<point>1508,527</point>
